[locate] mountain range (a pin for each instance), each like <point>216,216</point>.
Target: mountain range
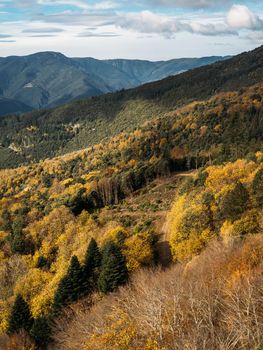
<point>47,133</point>
<point>49,79</point>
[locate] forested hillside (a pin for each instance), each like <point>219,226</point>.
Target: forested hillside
<point>38,135</point>
<point>76,227</point>
<point>151,237</point>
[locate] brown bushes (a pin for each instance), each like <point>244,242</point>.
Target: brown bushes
<point>212,303</point>
<point>19,341</point>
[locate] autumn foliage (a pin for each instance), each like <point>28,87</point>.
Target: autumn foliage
<point>213,302</point>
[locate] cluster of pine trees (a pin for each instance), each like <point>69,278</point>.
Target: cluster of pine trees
<point>102,271</point>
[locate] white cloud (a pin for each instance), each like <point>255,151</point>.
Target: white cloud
<point>240,17</point>
<point>151,23</point>
<point>82,4</point>
<point>189,3</point>
<point>42,30</point>
<point>4,36</point>
<point>78,18</point>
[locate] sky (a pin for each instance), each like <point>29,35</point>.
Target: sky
<point>135,29</point>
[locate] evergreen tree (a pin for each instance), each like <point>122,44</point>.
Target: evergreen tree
<point>91,266</point>
<point>41,332</point>
<point>17,237</point>
<point>20,317</point>
<point>257,186</point>
<point>71,286</point>
<point>234,202</point>
<point>113,269</point>
<point>7,222</point>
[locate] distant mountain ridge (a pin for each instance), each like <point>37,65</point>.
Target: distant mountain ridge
<point>49,79</point>
<point>9,106</point>
<point>38,135</point>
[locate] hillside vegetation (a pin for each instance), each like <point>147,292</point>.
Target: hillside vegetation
<point>51,210</point>
<point>47,133</point>
<point>43,226</point>
<point>150,239</point>
<point>214,302</point>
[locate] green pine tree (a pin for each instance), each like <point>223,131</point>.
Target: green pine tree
<point>257,187</point>
<point>91,266</point>
<point>71,286</point>
<point>41,332</point>
<point>234,202</point>
<point>7,221</point>
<point>113,269</point>
<point>20,317</point>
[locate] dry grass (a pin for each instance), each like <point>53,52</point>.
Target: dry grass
<point>212,303</point>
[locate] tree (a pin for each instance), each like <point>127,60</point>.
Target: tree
<point>19,243</point>
<point>91,266</point>
<point>41,332</point>
<point>7,222</point>
<point>71,286</point>
<point>113,269</point>
<point>257,186</point>
<point>234,202</point>
<point>20,317</point>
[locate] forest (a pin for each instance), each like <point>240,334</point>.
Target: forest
<point>151,239</point>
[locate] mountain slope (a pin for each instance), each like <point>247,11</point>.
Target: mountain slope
<point>168,192</point>
<point>146,71</point>
<point>8,106</point>
<point>49,79</point>
<point>83,123</point>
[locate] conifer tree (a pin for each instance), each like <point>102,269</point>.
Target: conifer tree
<point>91,266</point>
<point>7,222</point>
<point>41,332</point>
<point>257,187</point>
<point>113,269</point>
<point>234,202</point>
<point>20,317</point>
<point>71,286</point>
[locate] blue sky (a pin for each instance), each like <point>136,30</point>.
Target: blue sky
<point>145,29</point>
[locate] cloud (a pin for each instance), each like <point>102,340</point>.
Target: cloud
<point>189,3</point>
<point>254,37</point>
<point>82,4</point>
<point>43,30</point>
<point>97,35</point>
<point>240,17</point>
<point>150,23</point>
<point>5,36</point>
<point>24,3</point>
<point>42,36</point>
<point>73,18</point>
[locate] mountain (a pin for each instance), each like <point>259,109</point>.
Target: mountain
<point>9,106</point>
<point>146,71</point>
<point>83,123</point>
<point>49,79</point>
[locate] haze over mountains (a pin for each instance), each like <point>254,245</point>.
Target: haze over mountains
<point>49,79</point>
